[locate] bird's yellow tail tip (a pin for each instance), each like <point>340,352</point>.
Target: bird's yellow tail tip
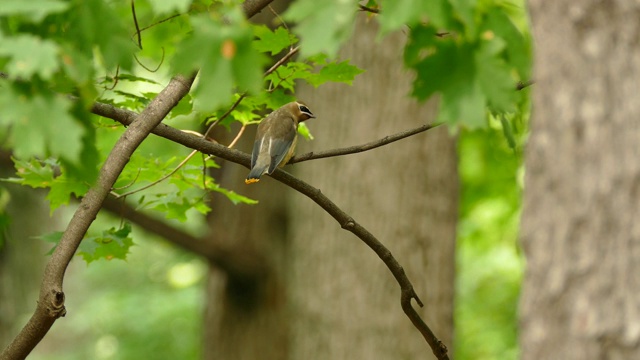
<point>251,181</point>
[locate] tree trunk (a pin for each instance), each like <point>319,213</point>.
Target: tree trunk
<point>580,229</point>
<point>246,315</point>
<point>345,303</point>
<point>22,256</point>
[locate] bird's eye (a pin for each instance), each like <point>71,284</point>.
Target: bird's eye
<point>305,109</point>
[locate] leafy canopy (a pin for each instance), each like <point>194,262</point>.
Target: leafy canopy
<point>59,57</point>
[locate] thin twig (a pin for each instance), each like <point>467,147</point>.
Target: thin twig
<point>233,107</point>
<point>283,60</point>
<point>369,9</point>
<point>524,84</point>
<point>147,68</point>
<point>279,18</point>
<point>159,22</point>
<point>115,79</point>
<point>364,147</point>
<point>163,178</point>
<point>135,21</point>
<point>129,184</point>
<point>235,140</point>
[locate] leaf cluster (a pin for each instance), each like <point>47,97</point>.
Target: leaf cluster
<point>59,57</point>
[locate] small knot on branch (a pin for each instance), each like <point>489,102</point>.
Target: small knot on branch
<point>443,351</point>
<point>55,305</point>
<point>349,224</point>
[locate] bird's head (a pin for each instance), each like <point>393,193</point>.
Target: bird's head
<point>301,111</point>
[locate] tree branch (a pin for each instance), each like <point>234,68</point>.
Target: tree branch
<point>233,263</point>
<point>364,147</point>
<point>51,299</point>
<point>346,221</point>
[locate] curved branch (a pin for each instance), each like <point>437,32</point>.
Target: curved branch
<point>364,147</point>
<point>346,221</point>
<point>51,299</point>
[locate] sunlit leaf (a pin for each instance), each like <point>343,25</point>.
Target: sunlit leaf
<point>34,10</point>
<point>323,25</point>
<point>272,41</point>
<point>29,55</point>
<point>40,125</point>
<point>111,244</point>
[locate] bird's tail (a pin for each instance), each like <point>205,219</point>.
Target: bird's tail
<point>254,174</point>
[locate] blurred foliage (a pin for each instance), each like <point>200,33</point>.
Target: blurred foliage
<point>149,307</point>
<point>488,261</point>
<point>472,53</point>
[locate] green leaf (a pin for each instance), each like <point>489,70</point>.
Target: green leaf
<point>303,130</point>
<point>34,10</point>
<point>33,172</point>
<point>172,205</point>
<point>167,6</point>
<point>323,25</point>
<point>396,14</point>
<point>465,11</point>
<point>137,79</point>
<point>272,41</point>
<point>29,55</point>
<point>336,72</point>
<point>184,107</point>
<point>507,130</point>
<point>225,57</point>
<point>78,66</point>
<point>234,197</point>
<point>96,24</point>
<point>40,125</point>
<point>286,75</point>
<point>451,71</point>
<point>53,238</point>
<point>112,244</point>
<point>62,188</point>
<point>494,76</point>
<point>518,47</point>
<point>463,103</point>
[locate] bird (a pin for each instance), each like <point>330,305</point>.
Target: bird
<point>276,139</point>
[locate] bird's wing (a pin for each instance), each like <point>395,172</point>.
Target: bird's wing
<point>280,144</point>
<point>256,151</point>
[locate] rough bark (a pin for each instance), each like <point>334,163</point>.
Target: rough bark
<point>344,302</point>
<point>580,229</point>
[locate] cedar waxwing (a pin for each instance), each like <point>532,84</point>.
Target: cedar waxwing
<point>276,139</point>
